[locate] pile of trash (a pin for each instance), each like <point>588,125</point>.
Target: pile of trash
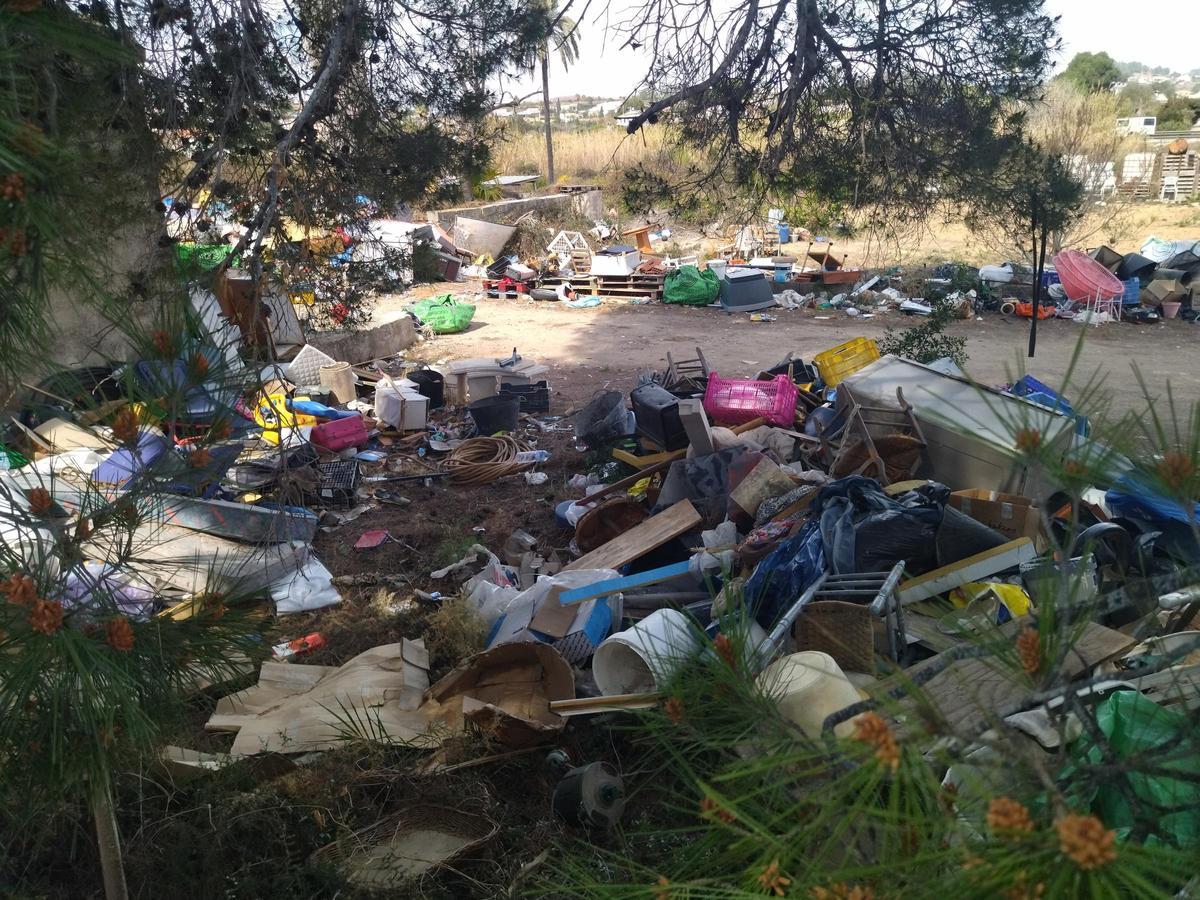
<point>866,516</point>
<point>862,515</point>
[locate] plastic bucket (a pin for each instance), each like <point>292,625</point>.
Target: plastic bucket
<point>431,384</point>
<point>717,267</point>
<point>643,658</point>
<point>1170,308</point>
<point>340,381</point>
<point>492,414</point>
<point>809,687</point>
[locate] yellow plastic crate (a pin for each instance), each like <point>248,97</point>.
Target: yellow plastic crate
<point>842,361</point>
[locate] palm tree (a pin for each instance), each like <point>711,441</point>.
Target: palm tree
<point>564,36</point>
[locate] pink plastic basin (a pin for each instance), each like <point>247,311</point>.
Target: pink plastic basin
<point>1085,279</point>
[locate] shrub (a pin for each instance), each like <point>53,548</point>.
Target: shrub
<point>928,341</point>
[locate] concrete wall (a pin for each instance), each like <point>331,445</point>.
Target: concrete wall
<point>373,342</point>
<point>80,334</point>
<point>505,212</point>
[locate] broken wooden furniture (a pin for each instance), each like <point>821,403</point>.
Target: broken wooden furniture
<point>641,238</point>
<point>685,376</point>
<point>886,444</point>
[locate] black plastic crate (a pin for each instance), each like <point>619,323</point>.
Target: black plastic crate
<point>337,481</point>
<point>532,397</point>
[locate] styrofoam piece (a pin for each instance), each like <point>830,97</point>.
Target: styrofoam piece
<point>306,367</point>
<point>644,657</point>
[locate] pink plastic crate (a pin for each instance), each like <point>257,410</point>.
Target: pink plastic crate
<point>737,401</point>
<point>338,434</point>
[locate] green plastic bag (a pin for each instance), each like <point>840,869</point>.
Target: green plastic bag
<point>690,286</point>
<point>193,261</point>
<point>1135,727</point>
<point>443,314</point>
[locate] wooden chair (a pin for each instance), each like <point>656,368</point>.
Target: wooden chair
<point>882,442</point>
<point>686,375</point>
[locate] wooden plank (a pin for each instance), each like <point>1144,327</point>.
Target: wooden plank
<point>618,585</point>
<point>972,692</point>
<point>973,568</point>
<point>641,539</point>
<point>585,706</point>
<point>925,630</point>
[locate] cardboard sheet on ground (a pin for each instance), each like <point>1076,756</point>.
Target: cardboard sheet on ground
<point>298,708</point>
<point>505,691</point>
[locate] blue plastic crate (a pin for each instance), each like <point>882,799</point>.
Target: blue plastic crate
<point>1029,385</point>
<point>1133,292</point>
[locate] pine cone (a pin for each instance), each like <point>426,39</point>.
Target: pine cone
<point>1029,650</point>
<point>46,616</point>
<point>119,634</point>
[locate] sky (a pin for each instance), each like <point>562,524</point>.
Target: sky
<point>1166,36</point>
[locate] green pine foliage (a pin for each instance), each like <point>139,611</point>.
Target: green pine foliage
<point>927,341</point>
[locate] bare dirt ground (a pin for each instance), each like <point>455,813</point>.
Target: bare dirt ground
<point>593,349</point>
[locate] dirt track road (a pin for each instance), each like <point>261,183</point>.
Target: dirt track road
<point>590,349</point>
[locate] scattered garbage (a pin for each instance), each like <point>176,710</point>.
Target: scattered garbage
<point>854,521</point>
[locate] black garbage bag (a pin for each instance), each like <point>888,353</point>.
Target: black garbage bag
<point>865,530</point>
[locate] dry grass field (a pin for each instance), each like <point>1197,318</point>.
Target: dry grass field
<point>599,154</point>
<point>589,154</point>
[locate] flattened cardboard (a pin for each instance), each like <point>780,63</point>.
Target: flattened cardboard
<point>297,708</point>
<point>765,480</point>
<point>552,618</point>
<point>506,691</point>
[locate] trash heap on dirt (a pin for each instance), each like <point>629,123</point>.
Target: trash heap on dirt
<point>859,522</point>
<point>753,274</point>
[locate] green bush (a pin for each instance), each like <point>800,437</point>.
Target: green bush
<point>928,341</point>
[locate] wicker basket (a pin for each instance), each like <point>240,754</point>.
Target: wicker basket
<point>408,844</point>
<point>844,630</point>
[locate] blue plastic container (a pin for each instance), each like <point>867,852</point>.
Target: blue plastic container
<point>785,233</point>
<point>1133,292</point>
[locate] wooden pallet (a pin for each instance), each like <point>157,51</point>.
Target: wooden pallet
<point>613,286</point>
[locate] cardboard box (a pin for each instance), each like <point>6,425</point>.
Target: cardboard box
<point>1164,290</point>
<point>1012,515</point>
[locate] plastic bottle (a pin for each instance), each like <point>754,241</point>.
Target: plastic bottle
<point>533,456</point>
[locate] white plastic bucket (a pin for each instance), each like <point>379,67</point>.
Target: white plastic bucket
<point>810,687</point>
<point>717,267</point>
<point>643,658</point>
